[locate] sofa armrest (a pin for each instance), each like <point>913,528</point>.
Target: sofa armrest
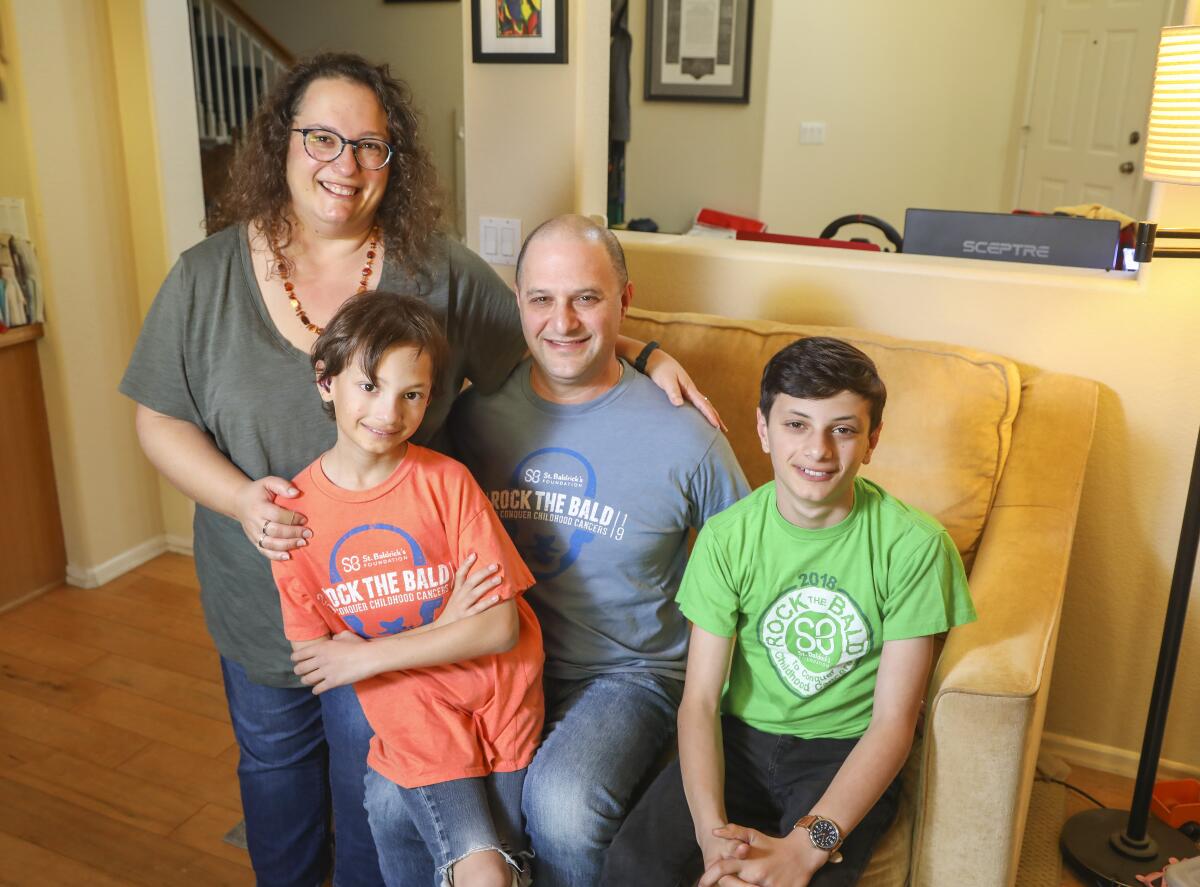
<point>989,688</point>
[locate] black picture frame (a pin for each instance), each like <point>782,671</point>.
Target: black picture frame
<point>550,48</point>
<point>723,78</point>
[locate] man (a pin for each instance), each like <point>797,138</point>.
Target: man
<point>598,479</point>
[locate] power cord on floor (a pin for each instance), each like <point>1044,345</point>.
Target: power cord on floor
<point>1044,778</point>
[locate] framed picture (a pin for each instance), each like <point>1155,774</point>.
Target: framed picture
<point>519,31</point>
<point>698,50</point>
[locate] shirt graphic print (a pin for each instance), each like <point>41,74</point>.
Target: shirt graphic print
<point>814,633</point>
<point>377,570</point>
<point>552,509</point>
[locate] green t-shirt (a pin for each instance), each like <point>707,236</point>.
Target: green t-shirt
<point>811,609</point>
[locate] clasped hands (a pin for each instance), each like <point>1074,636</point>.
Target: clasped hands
<point>739,856</point>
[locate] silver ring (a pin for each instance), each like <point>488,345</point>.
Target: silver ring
<point>266,524</point>
<point>262,539</point>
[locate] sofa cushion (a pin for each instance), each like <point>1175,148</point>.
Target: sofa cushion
<point>946,428</point>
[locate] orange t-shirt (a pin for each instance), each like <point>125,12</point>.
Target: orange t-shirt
<point>382,561</point>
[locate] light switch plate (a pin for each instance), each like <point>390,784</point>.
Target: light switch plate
<point>499,240</point>
<point>812,132</point>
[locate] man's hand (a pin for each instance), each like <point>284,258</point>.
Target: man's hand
<point>471,591</point>
<point>765,862</point>
<point>669,375</point>
<point>333,662</point>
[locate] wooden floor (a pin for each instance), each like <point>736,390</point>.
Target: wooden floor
<point>117,761</point>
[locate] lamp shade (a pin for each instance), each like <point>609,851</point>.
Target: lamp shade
<point>1173,137</point>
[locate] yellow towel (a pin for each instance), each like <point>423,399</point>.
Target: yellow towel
<point>1096,211</point>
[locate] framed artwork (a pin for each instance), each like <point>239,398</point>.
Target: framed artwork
<point>519,31</point>
<point>698,50</point>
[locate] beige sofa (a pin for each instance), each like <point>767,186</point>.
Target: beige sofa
<point>997,452</point>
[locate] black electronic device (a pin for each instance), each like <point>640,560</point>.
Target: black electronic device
<point>1017,237</point>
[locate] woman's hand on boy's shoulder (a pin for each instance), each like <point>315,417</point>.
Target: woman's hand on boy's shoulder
<point>273,529</point>
<point>471,591</point>
<point>766,861</point>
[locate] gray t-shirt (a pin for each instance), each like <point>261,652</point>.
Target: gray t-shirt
<point>209,353</point>
<point>599,498</point>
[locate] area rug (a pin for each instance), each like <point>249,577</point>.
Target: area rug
<point>237,835</point>
<point>1041,860</point>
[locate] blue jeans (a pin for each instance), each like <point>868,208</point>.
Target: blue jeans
<point>299,753</point>
<point>770,782</point>
<point>455,818</point>
<point>602,738</point>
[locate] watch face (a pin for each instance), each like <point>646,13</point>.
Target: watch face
<point>824,834</point>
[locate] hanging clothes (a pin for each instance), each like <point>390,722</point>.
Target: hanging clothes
<point>620,51</point>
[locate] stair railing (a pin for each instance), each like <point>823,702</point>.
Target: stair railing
<point>234,64</point>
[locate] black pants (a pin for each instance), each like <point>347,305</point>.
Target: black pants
<point>770,782</point>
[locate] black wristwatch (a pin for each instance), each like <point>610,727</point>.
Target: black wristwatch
<point>640,363</point>
<point>824,834</point>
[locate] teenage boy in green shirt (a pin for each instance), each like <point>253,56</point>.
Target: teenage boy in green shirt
<point>814,603</point>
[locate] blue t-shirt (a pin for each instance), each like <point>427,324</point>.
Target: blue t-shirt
<point>599,498</point>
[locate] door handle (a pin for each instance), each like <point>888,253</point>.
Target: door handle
<point>1126,167</point>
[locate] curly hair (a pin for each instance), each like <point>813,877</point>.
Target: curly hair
<point>257,189</point>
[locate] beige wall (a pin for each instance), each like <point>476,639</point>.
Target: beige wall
<point>420,41</point>
<point>688,155</point>
<point>63,50</point>
<point>16,175</point>
<point>920,101</point>
<point>168,101</point>
<point>543,154</point>
<point>918,98</point>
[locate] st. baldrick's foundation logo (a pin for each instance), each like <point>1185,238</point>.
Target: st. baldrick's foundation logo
<point>813,635</point>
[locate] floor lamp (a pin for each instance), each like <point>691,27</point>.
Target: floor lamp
<point>1113,846</point>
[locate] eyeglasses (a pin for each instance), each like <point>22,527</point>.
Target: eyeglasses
<point>326,146</point>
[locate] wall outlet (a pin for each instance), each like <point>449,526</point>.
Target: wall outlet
<point>812,132</point>
<point>499,240</point>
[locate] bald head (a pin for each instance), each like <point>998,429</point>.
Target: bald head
<point>579,228</point>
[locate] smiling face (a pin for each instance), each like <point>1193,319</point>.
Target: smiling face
<point>336,197</point>
<point>816,448</point>
<point>571,304</point>
<point>376,418</point>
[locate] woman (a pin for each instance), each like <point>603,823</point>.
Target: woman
<point>331,193</point>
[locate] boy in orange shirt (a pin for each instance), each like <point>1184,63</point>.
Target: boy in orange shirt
<point>456,704</point>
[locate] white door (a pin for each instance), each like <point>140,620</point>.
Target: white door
<point>1086,121</point>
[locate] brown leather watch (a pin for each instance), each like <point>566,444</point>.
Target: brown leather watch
<point>824,834</point>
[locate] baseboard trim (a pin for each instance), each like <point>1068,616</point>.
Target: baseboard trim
<point>26,598</point>
<point>101,574</point>
<point>179,545</point>
<point>1120,761</point>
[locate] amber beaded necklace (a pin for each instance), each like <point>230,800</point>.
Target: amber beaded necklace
<point>290,288</point>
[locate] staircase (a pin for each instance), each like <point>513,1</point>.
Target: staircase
<point>235,62</point>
